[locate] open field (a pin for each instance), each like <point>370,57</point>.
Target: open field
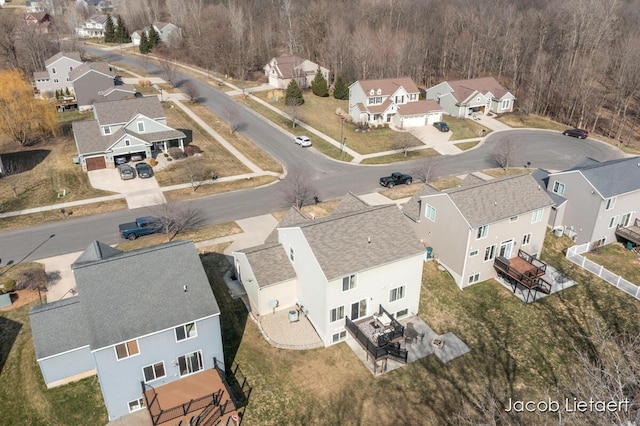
<point>533,121</point>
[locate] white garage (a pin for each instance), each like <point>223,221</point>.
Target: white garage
<point>416,114</point>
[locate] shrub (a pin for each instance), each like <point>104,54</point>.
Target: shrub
<point>165,154</point>
<point>31,278</point>
<point>190,150</point>
<point>9,285</point>
<point>153,162</point>
<point>176,153</point>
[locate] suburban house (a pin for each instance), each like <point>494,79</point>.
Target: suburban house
<point>391,100</point>
<point>169,33</point>
<point>95,26</point>
<point>281,70</point>
<point>100,6</point>
<point>347,264</point>
<point>462,98</point>
<point>96,82</point>
<point>593,201</point>
<point>134,323</point>
<point>122,128</point>
<point>41,21</point>
<point>470,226</point>
<point>57,70</point>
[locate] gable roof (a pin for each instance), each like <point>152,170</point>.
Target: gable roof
<point>411,208</point>
<point>286,66</point>
<point>499,199</point>
<point>419,107</point>
<point>71,55</point>
<point>270,264</point>
<point>542,177</point>
<point>356,241</point>
<point>464,89</point>
<point>118,112</point>
<point>471,180</point>
<point>147,295</point>
<point>100,67</point>
<point>350,203</point>
<point>614,177</point>
<point>388,86</point>
<point>96,251</point>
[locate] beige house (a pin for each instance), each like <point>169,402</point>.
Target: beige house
<point>281,70</point>
<point>468,227</point>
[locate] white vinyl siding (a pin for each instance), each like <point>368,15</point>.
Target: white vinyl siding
<point>336,314</point>
<point>537,216</point>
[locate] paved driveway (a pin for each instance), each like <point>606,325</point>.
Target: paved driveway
<point>139,192</point>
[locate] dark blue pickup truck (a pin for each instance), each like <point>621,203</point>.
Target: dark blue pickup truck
<point>142,226</point>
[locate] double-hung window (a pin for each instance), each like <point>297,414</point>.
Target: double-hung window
<point>537,216</point>
<point>482,232</point>
<point>396,293</point>
<point>430,213</point>
<point>186,331</point>
<point>489,253</point>
<point>127,349</point>
<point>336,314</point>
<point>154,371</point>
<point>349,282</point>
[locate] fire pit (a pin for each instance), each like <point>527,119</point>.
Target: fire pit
<point>437,342</point>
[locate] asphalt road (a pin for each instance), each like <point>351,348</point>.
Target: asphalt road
<point>332,179</point>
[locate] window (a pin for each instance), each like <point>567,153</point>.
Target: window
<point>154,371</point>
<point>611,202</point>
<point>190,363</point>
<point>136,404</point>
<point>402,313</point>
<point>537,216</point>
<point>53,70</point>
<point>127,349</point>
<point>430,213</point>
<point>127,142</point>
<point>339,336</point>
<point>396,293</point>
<point>413,97</point>
<point>336,314</point>
<point>474,278</point>
<point>358,309</point>
<point>349,283</point>
<point>613,222</point>
<point>489,253</point>
<point>482,232</point>
<point>558,188</point>
<point>106,130</point>
<point>473,253</point>
<point>526,239</point>
<point>68,79</point>
<point>624,220</point>
<point>186,331</point>
<point>291,253</point>
<point>70,68</point>
<point>140,126</point>
<point>506,103</point>
<point>513,218</point>
<point>55,80</point>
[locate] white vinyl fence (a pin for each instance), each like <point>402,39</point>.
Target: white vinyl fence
<point>574,254</point>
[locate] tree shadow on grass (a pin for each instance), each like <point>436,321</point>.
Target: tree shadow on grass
<point>22,161</point>
<point>9,330</point>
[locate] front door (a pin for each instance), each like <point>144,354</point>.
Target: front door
<point>505,249</point>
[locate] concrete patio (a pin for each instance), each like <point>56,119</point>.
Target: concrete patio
<point>284,334</point>
<point>557,279</point>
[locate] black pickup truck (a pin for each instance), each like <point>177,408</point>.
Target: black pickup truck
<point>396,178</point>
<point>142,226</point>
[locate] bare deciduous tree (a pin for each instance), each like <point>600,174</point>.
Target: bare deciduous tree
<point>177,217</point>
<point>168,68</point>
<point>293,106</point>
<point>195,169</point>
<point>424,170</point>
<point>502,153</point>
<point>233,116</point>
<point>191,90</point>
<point>298,187</point>
<point>402,142</point>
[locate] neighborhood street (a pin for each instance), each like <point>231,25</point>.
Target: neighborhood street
<point>541,148</point>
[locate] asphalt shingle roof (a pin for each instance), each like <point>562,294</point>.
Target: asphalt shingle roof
<point>101,67</point>
<point>350,203</point>
<point>419,107</point>
<point>614,177</point>
<point>462,89</point>
<point>72,55</point>
<point>118,112</point>
<point>89,139</point>
<point>542,177</point>
<point>388,86</point>
<point>293,217</point>
<point>270,264</point>
<point>412,207</point>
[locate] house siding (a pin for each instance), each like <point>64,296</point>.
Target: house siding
<point>120,380</point>
<point>73,363</point>
<point>284,292</point>
<point>88,86</point>
<point>356,94</point>
<point>136,145</point>
<point>627,203</point>
<point>581,212</point>
<point>248,280</point>
<point>62,67</point>
<point>150,125</point>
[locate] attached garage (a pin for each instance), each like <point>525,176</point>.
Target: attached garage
<point>434,118</point>
<point>96,163</point>
<point>416,114</point>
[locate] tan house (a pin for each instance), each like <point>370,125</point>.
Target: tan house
<point>470,226</point>
<point>281,70</point>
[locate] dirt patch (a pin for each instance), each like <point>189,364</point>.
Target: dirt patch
<point>21,298</point>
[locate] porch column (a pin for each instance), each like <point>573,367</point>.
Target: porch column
<point>181,142</point>
<point>164,144</point>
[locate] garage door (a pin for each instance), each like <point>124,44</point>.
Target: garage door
<point>96,163</point>
<point>432,118</point>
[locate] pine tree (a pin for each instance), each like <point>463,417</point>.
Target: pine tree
<point>67,92</point>
<point>154,38</point>
<point>121,32</point>
<point>144,43</point>
<point>341,91</point>
<point>293,96</point>
<point>319,85</point>
<point>109,30</point>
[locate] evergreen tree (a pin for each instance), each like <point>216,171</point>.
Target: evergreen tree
<point>67,92</point>
<point>154,38</point>
<point>121,32</point>
<point>319,85</point>
<point>293,96</point>
<point>57,95</point>
<point>144,43</point>
<point>109,30</point>
<point>341,91</point>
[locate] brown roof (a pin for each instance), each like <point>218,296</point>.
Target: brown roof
<point>158,136</point>
<point>388,86</point>
<point>379,108</point>
<point>419,107</point>
<point>350,203</point>
<point>117,112</point>
<point>293,217</point>
<point>71,55</point>
<point>286,65</point>
<point>463,89</point>
<point>41,75</point>
<point>270,264</point>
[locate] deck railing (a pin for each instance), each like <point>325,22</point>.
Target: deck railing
<point>628,233</point>
<point>384,348</point>
<point>236,383</point>
<point>158,415</point>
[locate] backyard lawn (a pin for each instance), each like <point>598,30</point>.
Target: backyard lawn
<point>617,259</point>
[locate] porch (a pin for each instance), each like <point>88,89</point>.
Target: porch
<point>630,233</point>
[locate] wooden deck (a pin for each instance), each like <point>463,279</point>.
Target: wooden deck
<point>630,233</point>
<point>524,270</point>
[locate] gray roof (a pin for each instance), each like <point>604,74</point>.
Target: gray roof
<point>89,139</point>
<point>350,203</point>
<point>356,241</point>
<point>96,251</point>
<point>158,136</point>
<point>615,177</point>
<point>270,264</point>
<point>471,180</point>
<point>58,327</point>
<point>41,75</point>
<point>542,177</point>
<point>293,217</point>
<point>101,67</point>
<point>72,55</point>
<point>412,207</point>
<point>147,295</point>
<point>499,199</point>
<point>118,112</point>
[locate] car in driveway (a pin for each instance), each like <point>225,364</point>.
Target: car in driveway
<point>441,125</point>
<point>144,170</point>
<point>126,172</point>
<point>576,133</point>
<point>137,157</point>
<point>303,141</point>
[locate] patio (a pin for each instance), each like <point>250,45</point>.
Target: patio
<point>555,278</point>
<point>282,333</point>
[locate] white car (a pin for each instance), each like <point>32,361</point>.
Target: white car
<point>303,141</point>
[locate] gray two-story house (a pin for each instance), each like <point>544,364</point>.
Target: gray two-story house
<point>146,316</point>
<point>122,128</point>
<point>97,82</point>
<point>56,73</point>
<point>593,200</point>
<point>461,98</point>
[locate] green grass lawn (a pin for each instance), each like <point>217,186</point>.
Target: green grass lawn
<point>617,259</point>
<point>463,128</point>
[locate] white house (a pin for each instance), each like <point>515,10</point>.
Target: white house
<point>391,100</point>
<point>347,264</point>
<point>462,98</point>
<point>57,72</point>
<point>167,32</point>
<point>95,26</point>
<point>281,70</point>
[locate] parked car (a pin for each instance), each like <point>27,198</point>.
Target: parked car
<point>126,172</point>
<point>576,133</point>
<point>120,160</point>
<point>396,178</point>
<point>303,141</point>
<point>137,157</point>
<point>142,226</point>
<point>441,125</point>
<point>144,170</point>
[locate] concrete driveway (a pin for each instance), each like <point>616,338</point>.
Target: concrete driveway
<point>138,192</point>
